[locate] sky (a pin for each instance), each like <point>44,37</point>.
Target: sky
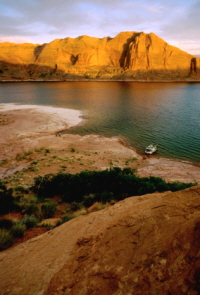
<point>42,21</point>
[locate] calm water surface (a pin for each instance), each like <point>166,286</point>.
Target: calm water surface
<point>140,113</point>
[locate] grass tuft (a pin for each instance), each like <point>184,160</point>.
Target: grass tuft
<point>18,230</point>
<point>6,239</point>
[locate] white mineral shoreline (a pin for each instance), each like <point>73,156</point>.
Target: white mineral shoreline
<point>70,117</point>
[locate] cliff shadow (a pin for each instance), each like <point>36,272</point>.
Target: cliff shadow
<point>27,71</point>
<point>74,59</point>
<point>193,66</point>
<point>38,50</point>
<point>125,56</point>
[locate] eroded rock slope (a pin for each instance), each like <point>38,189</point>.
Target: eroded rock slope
<point>141,245</point>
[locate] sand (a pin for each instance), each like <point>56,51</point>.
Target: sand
<point>25,127</point>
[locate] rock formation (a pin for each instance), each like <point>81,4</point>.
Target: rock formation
<point>129,55</point>
<point>141,245</point>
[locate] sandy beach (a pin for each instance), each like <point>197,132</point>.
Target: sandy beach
<point>30,128</point>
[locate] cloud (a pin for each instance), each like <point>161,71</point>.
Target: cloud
<point>185,27</point>
<point>14,39</point>
<point>43,21</point>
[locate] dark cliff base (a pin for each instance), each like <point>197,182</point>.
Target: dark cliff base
<point>102,80</point>
<point>35,73</point>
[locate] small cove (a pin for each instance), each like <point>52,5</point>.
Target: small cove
<point>139,113</point>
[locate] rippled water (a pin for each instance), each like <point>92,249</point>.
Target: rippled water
<point>141,113</point>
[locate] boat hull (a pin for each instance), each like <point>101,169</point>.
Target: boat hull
<point>151,149</point>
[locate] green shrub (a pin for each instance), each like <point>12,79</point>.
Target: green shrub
<point>177,186</point>
<point>35,162</point>
<point>76,206</point>
<point>72,150</point>
<point>47,151</point>
<point>3,186</point>
<point>18,230</point>
<point>66,217</point>
<point>105,197</point>
<point>48,209</point>
<point>4,161</point>
<point>21,189</point>
<point>30,209</point>
<point>6,223</point>
<point>39,150</point>
<point>28,153</point>
<point>20,158</point>
<point>6,202</point>
<point>33,168</point>
<point>100,186</point>
<point>28,205</point>
<point>29,221</point>
<point>48,226</point>
<point>40,183</point>
<point>89,200</point>
<point>6,239</point>
<point>112,202</point>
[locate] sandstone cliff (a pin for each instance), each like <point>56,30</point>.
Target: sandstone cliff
<point>141,245</point>
<point>129,55</point>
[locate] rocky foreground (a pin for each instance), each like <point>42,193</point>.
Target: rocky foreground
<point>133,56</point>
<point>141,245</point>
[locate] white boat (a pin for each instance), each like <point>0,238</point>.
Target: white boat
<point>150,149</point>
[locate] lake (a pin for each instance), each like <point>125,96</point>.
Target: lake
<point>139,113</point>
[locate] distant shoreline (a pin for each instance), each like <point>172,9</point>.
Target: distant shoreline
<point>103,80</point>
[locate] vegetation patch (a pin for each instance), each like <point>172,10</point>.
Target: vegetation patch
<point>18,230</point>
<point>6,223</point>
<point>64,196</point>
<point>6,239</point>
<point>101,186</point>
<point>30,221</point>
<point>48,209</point>
<point>7,201</point>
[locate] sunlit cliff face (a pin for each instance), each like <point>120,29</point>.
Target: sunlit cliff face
<point>129,55</point>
